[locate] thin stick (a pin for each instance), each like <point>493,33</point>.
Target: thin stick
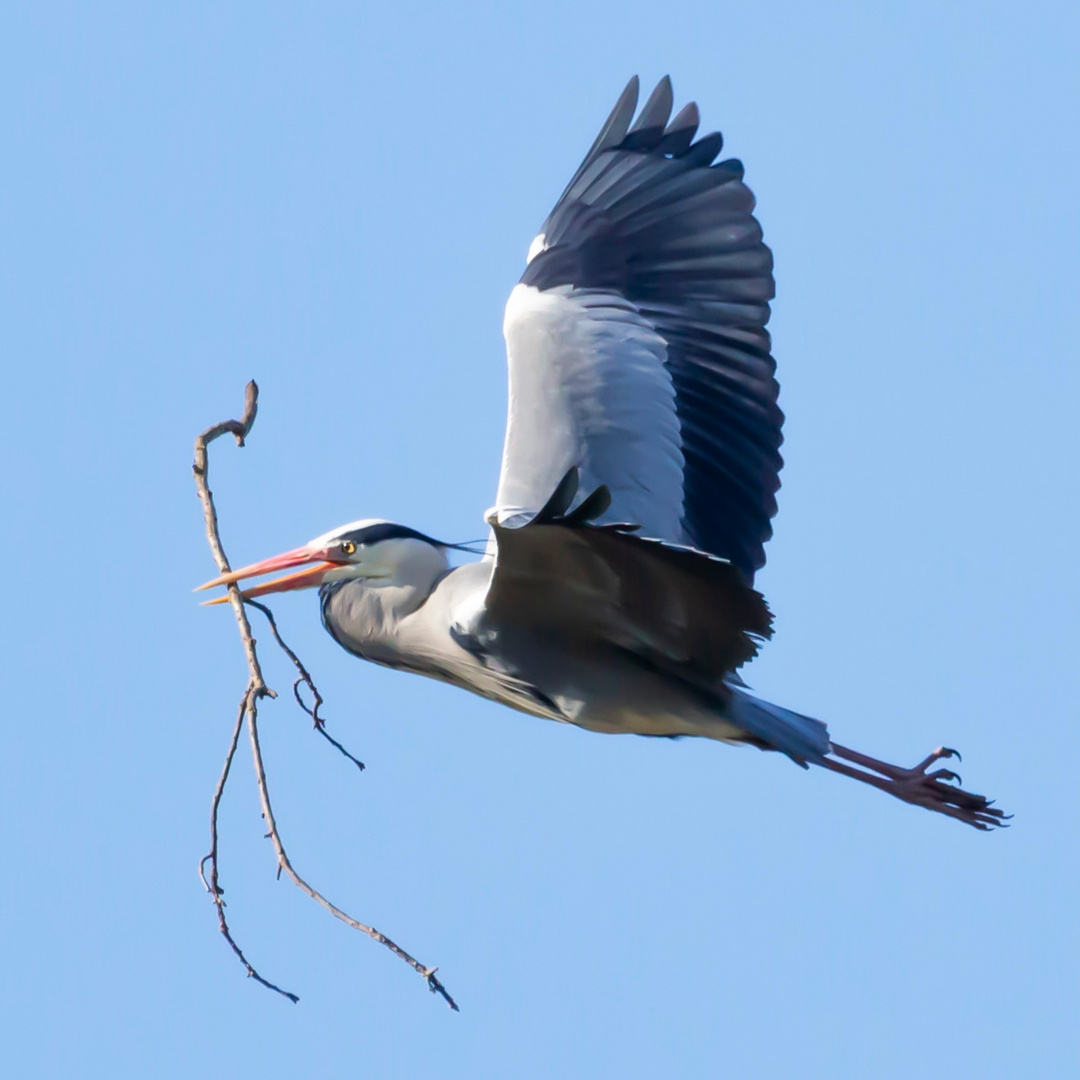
<point>239,429</point>
<point>212,886</point>
<point>304,677</point>
<point>257,689</point>
<point>256,686</point>
<point>284,864</point>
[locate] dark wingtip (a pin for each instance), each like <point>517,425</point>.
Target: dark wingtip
<point>648,129</point>
<point>618,122</point>
<point>679,134</point>
<point>704,151</point>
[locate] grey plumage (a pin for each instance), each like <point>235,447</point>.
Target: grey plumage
<point>580,622</point>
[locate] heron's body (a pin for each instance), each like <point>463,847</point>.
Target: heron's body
<point>597,672</point>
<point>559,678</point>
<point>640,367</point>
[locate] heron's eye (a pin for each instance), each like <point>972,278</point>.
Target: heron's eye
<point>348,547</point>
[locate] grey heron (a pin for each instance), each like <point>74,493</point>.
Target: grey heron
<point>638,480</point>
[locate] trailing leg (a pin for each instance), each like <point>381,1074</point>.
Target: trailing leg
<point>935,790</point>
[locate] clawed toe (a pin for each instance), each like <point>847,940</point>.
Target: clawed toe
<point>940,753</point>
<point>945,774</point>
<point>936,791</point>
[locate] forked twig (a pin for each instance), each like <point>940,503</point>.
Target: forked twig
<point>305,678</point>
<point>212,885</point>
<point>434,984</point>
<point>256,689</point>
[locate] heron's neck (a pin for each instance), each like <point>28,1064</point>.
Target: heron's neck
<point>364,614</point>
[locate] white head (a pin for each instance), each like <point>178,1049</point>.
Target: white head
<point>378,552</point>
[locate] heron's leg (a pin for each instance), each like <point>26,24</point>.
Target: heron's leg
<point>896,772</point>
<point>931,790</point>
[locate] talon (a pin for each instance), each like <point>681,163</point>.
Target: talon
<point>949,752</point>
<point>946,774</point>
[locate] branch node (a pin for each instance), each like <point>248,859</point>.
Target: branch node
<point>304,678</point>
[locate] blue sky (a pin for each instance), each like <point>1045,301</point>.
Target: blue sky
<point>337,202</point>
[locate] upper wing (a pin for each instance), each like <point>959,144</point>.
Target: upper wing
<point>636,342</point>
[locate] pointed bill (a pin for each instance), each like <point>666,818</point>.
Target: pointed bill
<point>302,579</point>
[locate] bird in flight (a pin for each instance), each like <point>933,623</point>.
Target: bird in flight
<point>638,481</point>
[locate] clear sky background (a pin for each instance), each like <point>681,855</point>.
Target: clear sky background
<point>337,202</point>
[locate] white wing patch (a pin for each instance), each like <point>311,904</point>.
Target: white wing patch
<point>589,388</point>
<point>539,244</point>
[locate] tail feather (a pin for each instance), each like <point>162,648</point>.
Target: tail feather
<point>802,738</point>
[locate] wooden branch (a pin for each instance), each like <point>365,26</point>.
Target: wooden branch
<point>257,689</point>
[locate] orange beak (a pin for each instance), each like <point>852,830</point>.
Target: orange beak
<point>303,579</point>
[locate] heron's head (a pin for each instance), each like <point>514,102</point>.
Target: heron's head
<point>371,550</point>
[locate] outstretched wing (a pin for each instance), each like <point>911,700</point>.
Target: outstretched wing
<point>636,342</point>
<point>680,611</point>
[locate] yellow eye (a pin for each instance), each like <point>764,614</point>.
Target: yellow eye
<point>348,547</point>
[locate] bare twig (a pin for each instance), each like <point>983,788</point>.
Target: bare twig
<point>239,429</point>
<point>212,886</point>
<point>257,689</point>
<point>304,677</point>
<point>286,865</point>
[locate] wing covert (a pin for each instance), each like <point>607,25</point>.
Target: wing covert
<point>682,611</point>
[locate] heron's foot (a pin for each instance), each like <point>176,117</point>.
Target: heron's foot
<point>938,790</point>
